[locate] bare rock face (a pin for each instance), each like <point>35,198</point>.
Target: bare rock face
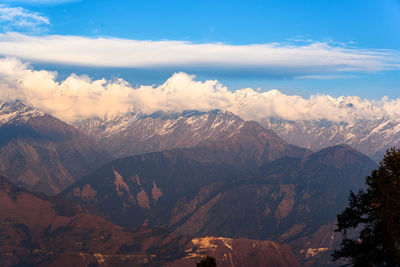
<point>133,134</point>
<point>144,190</point>
<point>42,153</point>
<point>239,252</point>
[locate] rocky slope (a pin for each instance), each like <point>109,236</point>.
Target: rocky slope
<point>36,230</point>
<point>294,200</point>
<point>134,133</point>
<point>291,200</point>
<point>42,153</point>
<point>371,137</point>
<point>146,189</point>
<point>41,231</point>
<point>238,252</point>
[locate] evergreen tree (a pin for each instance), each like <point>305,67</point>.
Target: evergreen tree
<point>373,215</point>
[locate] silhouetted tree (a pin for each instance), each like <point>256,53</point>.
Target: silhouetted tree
<point>207,261</point>
<point>373,215</point>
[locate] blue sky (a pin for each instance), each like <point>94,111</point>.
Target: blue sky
<point>314,32</point>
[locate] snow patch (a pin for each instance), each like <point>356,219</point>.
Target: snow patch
<point>16,112</point>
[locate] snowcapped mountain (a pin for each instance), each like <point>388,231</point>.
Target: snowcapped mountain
<point>371,137</point>
<point>206,124</point>
<point>135,133</point>
<point>42,153</point>
<point>17,113</point>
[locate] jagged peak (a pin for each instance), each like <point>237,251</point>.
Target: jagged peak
<point>186,113</point>
<point>133,115</point>
<point>16,111</point>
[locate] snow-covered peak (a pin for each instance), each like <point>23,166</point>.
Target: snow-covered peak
<point>162,122</point>
<point>17,112</point>
<point>371,137</point>
<point>186,114</point>
<point>134,133</point>
<point>108,124</point>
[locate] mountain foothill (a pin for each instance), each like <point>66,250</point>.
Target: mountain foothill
<point>166,189</point>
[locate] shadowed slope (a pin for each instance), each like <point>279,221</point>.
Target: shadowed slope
<point>42,153</point>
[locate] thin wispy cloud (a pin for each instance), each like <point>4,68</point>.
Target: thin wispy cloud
<point>79,97</point>
<point>327,77</point>
<point>21,19</point>
<point>51,2</point>
<point>316,58</point>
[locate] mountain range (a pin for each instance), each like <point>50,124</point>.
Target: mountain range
<point>371,137</point>
<point>135,133</point>
<point>36,230</point>
<point>184,184</point>
<point>292,199</point>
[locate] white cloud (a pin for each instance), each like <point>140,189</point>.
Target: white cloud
<point>326,77</point>
<point>267,59</point>
<point>79,97</point>
<point>41,1</point>
<point>18,18</point>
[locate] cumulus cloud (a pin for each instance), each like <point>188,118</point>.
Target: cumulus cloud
<point>314,58</point>
<point>18,18</point>
<point>78,97</point>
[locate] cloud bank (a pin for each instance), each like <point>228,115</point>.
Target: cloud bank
<point>78,97</point>
<point>18,18</point>
<point>314,58</point>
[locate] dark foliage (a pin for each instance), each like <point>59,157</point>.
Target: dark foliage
<point>207,261</point>
<point>373,218</point>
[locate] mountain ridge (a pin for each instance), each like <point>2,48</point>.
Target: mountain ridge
<point>291,199</point>
<point>369,136</point>
<point>42,153</point>
<point>37,230</point>
<point>160,131</point>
